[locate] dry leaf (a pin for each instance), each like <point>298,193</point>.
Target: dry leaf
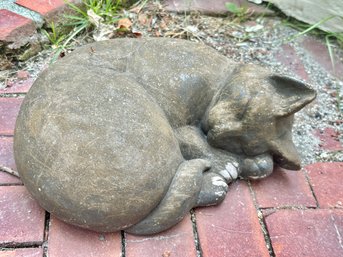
<point>163,25</point>
<point>124,23</point>
<point>137,34</point>
<point>143,19</point>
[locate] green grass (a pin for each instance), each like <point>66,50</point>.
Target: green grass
<point>239,13</point>
<point>83,19</point>
<point>55,36</point>
<point>305,28</point>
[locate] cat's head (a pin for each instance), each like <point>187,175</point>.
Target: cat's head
<point>253,112</point>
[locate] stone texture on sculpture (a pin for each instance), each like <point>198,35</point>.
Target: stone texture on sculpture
<point>130,134</point>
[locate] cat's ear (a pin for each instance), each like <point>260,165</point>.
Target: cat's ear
<point>291,94</point>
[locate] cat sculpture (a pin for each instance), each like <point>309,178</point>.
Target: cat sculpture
<point>131,134</point>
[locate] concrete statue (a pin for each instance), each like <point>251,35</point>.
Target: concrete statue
<point>130,134</point>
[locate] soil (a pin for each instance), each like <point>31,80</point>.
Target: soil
<point>255,40</point>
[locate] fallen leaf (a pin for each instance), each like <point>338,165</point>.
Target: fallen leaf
<point>163,25</point>
<point>5,64</point>
<point>124,23</point>
<point>143,19</point>
<point>137,34</point>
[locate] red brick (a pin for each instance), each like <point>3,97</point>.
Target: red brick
<point>13,26</point>
<point>326,180</point>
<point>23,74</point>
<point>68,240</point>
<point>283,188</point>
<point>177,241</point>
<point>288,56</point>
<point>7,160</point>
<point>43,7</point>
<point>18,87</point>
<point>320,54</point>
<point>9,108</point>
<point>21,218</point>
<point>22,252</point>
<point>6,152</point>
<point>329,138</point>
<point>51,10</point>
<point>210,7</point>
<point>231,228</point>
<point>306,232</point>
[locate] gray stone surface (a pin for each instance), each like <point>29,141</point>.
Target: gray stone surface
<point>313,11</point>
<point>212,7</point>
<point>133,133</point>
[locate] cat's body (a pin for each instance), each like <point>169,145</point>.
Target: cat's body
<point>115,136</point>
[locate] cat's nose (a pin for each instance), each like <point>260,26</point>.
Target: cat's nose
<point>293,163</point>
<point>287,156</point>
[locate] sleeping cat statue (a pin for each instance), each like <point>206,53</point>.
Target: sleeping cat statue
<point>130,134</point>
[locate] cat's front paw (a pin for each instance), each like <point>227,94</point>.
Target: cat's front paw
<point>213,191</point>
<point>257,167</point>
<point>230,172</point>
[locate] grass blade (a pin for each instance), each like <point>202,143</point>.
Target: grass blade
<point>329,46</point>
<point>314,26</point>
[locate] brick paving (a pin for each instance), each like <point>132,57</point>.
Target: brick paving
<point>232,228</point>
<point>177,241</point>
<point>14,26</point>
<point>9,108</point>
<point>66,240</point>
<point>325,179</point>
<point>22,220</point>
<point>283,188</point>
<point>306,232</point>
<point>291,213</point>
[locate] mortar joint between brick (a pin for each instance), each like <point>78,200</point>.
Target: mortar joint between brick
<point>287,207</point>
<point>10,184</point>
<point>311,187</point>
<point>123,243</point>
<point>14,245</point>
<point>262,222</point>
<point>196,234</point>
<point>11,95</point>
<point>45,244</point>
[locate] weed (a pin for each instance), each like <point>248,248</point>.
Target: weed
<point>305,28</point>
<point>106,9</point>
<point>55,36</point>
<point>240,13</point>
<point>84,18</point>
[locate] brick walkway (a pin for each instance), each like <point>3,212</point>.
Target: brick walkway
<point>291,213</point>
